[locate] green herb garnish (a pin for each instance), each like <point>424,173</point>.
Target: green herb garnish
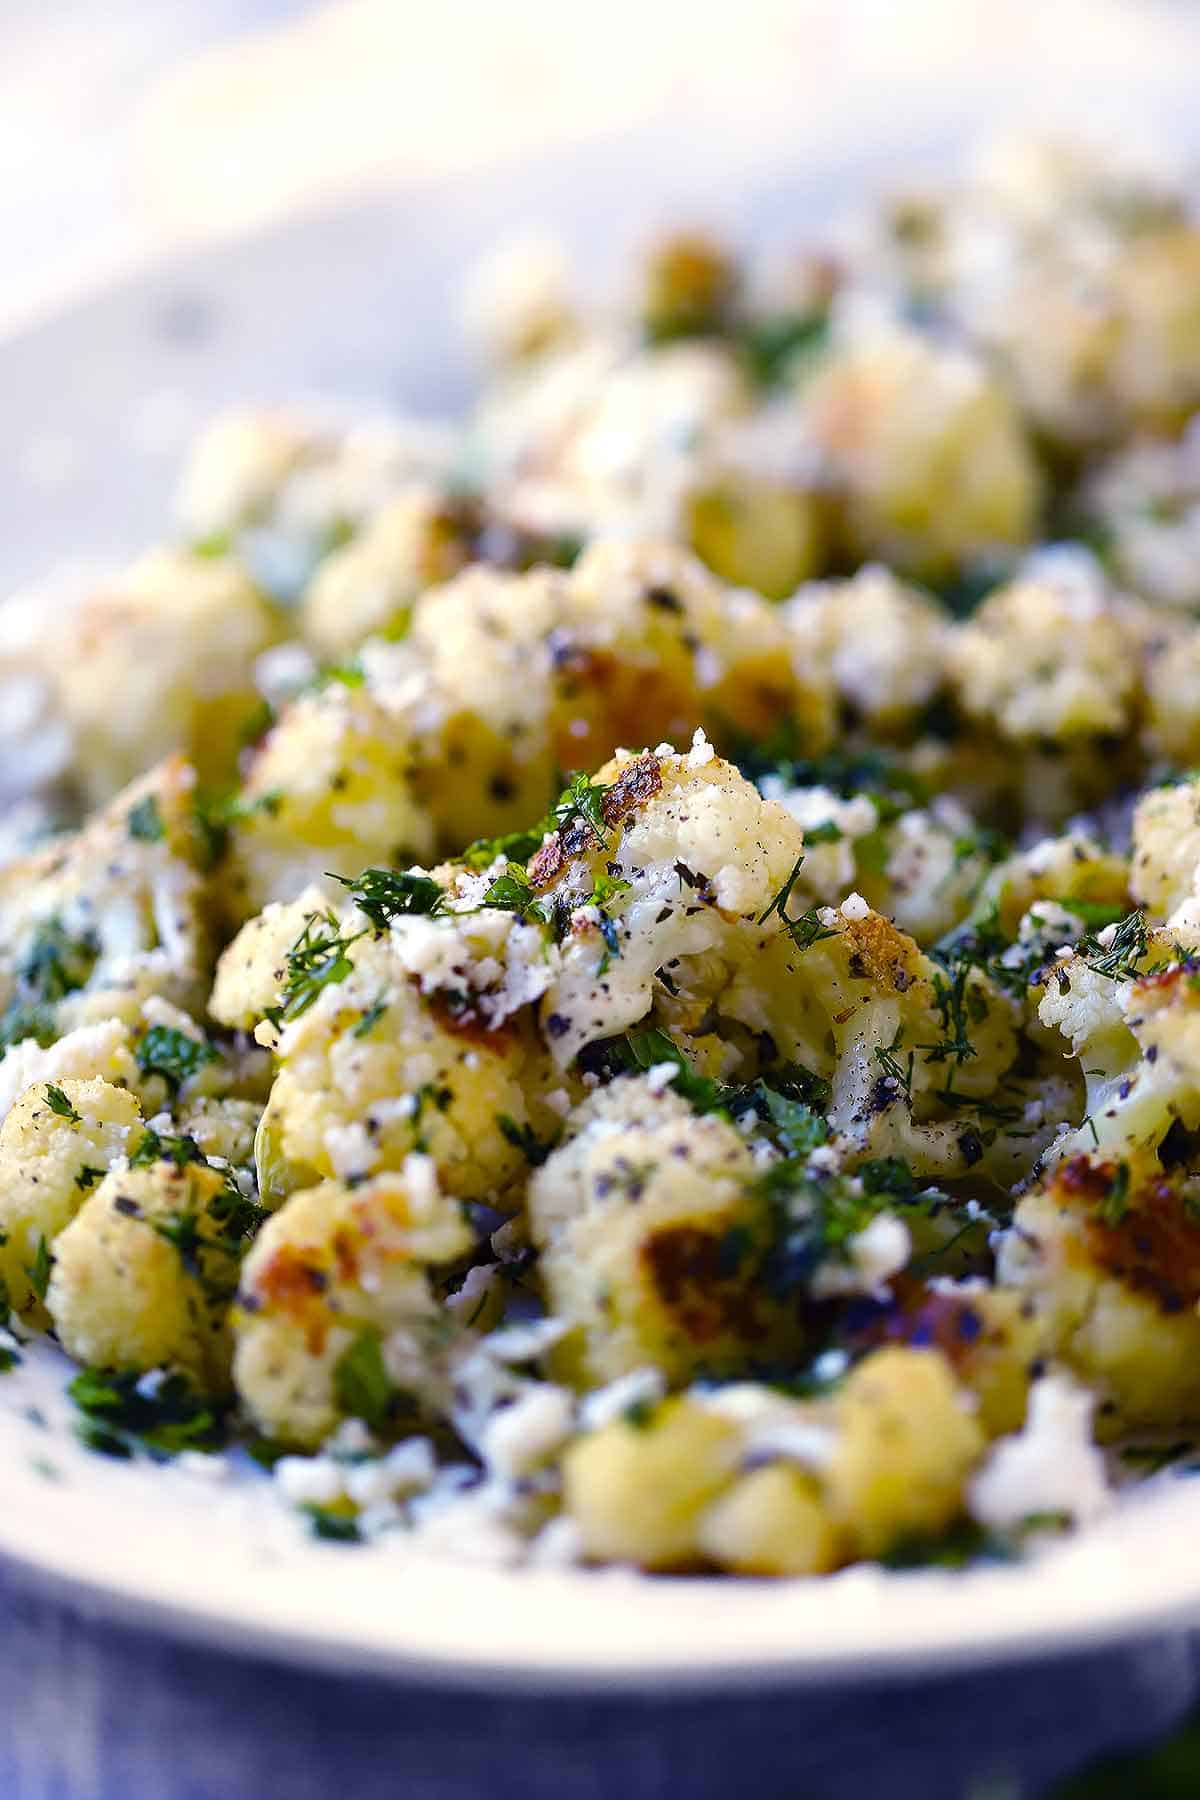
<point>61,1106</point>
<point>173,1054</point>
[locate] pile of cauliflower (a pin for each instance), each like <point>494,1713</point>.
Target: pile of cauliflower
<point>647,1008</point>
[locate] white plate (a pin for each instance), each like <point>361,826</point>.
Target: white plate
<point>97,404</point>
<point>221,1559</point>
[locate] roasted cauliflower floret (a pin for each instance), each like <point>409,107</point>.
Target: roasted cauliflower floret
<point>883,646</point>
<point>926,450</point>
<point>331,787</point>
<point>369,585</point>
<point>753,523</point>
<point>1165,864</point>
<point>1145,504</point>
<point>391,1041</point>
<point>600,438</point>
<point>1129,1010</point>
<point>97,922</point>
<point>1110,1259</point>
<point>335,1267</point>
<point>1048,659</point>
<point>144,1274</point>
<point>56,1143</point>
<point>161,662</point>
<point>1172,675</point>
<point>637,1492</point>
<point>697,855</point>
<point>904,1446</point>
<point>522,676</point>
<point>646,1217</point>
<point>772,1521</point>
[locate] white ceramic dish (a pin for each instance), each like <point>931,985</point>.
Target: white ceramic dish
<point>215,1556</point>
<point>97,404</point>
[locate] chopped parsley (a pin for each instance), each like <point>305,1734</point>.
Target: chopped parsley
<point>581,799</point>
<point>39,1274</point>
<point>370,1019</point>
<point>53,965</point>
<point>145,821</point>
<point>331,1525</point>
<point>387,894</point>
<point>60,1106</point>
<point>1120,955</point>
<point>154,1147</point>
<point>361,1383</point>
<point>173,1054</point>
<point>1115,1204</point>
<point>534,1149</point>
<point>808,929</point>
<point>779,903</point>
<point>813,1216</point>
<point>158,1415</point>
<point>316,960</point>
<point>771,345</point>
<point>512,891</point>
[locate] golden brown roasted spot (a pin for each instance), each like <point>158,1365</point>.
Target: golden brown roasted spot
<point>638,782</point>
<point>1147,1237</point>
<point>606,700</point>
<point>291,1285</point>
<point>690,1271</point>
<point>880,953</point>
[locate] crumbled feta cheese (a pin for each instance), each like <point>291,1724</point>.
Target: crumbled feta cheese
<point>701,751</point>
<point>875,1254</point>
<point>1050,1466</point>
<point>309,1480</point>
<point>854,907</point>
<point>521,1343</point>
<point>523,1434</point>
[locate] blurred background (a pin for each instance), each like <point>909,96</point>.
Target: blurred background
<point>133,129</point>
<point>267,198</point>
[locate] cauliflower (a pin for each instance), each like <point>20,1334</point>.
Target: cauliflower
<point>1109,1258</point>
<point>103,1051</point>
<point>1165,863</point>
<point>341,1269</point>
<point>926,450</point>
<point>883,646</point>
<point>1048,659</point>
<point>144,1273</point>
<point>417,1035</point>
<point>97,922</point>
<point>637,1492</point>
<point>697,856</point>
<point>330,787</point>
<point>1172,673</point>
<point>753,1481</point>
<point>601,439</point>
<point>369,585</point>
<point>161,662</point>
<point>905,1443</point>
<point>772,1521</point>
<point>646,1219</point>
<point>1145,504</point>
<point>56,1143</point>
<point>286,490</point>
<point>1129,1010</point>
<point>524,675</point>
<point>753,525</point>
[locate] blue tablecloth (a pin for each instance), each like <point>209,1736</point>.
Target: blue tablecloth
<point>90,1711</point>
